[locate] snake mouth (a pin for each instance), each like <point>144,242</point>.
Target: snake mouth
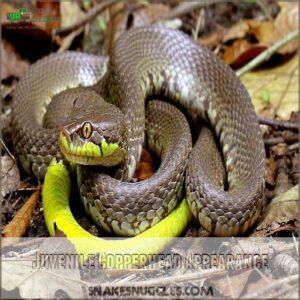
<point>88,153</point>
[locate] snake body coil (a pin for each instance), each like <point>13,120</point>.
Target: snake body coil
<point>147,62</point>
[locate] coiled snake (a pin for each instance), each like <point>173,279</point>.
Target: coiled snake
<point>147,62</point>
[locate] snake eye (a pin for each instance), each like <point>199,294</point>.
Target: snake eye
<point>87,130</point>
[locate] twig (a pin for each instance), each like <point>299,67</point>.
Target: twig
<point>199,24</point>
<point>28,189</point>
<point>172,279</point>
<point>25,242</point>
<point>87,17</point>
<point>293,147</point>
<point>291,76</point>
<point>280,124</point>
<point>267,53</point>
<point>278,140</point>
<point>8,152</point>
<point>187,7</point>
<point>264,7</point>
<point>271,287</point>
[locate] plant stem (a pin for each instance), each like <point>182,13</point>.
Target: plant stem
<point>267,53</point>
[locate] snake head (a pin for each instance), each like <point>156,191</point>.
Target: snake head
<point>95,132</point>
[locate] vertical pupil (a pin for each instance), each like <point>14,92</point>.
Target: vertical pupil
<point>86,130</point>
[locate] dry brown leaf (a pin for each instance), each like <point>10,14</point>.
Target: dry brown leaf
<point>145,168</point>
<point>144,171</point>
<point>269,32</point>
<point>10,175</point>
<point>234,285</point>
<point>258,284</point>
<point>48,14</point>
<point>281,85</point>
<point>5,9</point>
<point>286,22</point>
<point>136,18</point>
<point>212,40</point>
<point>37,276</point>
<point>237,31</point>
<point>149,13</point>
<point>146,156</point>
<point>70,13</point>
<point>263,31</point>
<point>281,210</point>
<point>241,52</point>
<point>19,224</point>
<point>271,171</point>
<point>67,41</point>
<point>12,64</point>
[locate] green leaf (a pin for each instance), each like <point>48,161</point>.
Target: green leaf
<point>265,96</point>
<point>101,24</point>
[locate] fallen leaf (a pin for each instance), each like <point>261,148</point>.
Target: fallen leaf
<point>12,64</point>
<point>67,41</point>
<point>70,13</point>
<point>266,33</point>
<point>145,168</point>
<point>19,224</point>
<point>257,283</point>
<point>294,173</point>
<point>38,281</point>
<point>282,85</point>
<point>232,286</point>
<point>271,171</point>
<point>47,14</point>
<point>241,52</point>
<point>237,31</point>
<point>142,16</point>
<point>10,175</point>
<point>212,40</point>
<point>286,263</point>
<point>6,8</point>
<point>269,32</point>
<point>286,22</point>
<point>149,13</point>
<point>283,209</point>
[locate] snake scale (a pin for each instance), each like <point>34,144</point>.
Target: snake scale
<point>146,62</point>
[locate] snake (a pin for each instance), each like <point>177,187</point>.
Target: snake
<point>224,178</point>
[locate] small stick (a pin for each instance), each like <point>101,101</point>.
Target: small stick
<point>28,189</point>
<point>281,140</point>
<point>280,124</point>
<point>293,147</point>
<point>182,10</point>
<point>8,152</point>
<point>87,17</point>
<point>279,284</point>
<point>264,7</point>
<point>267,53</point>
